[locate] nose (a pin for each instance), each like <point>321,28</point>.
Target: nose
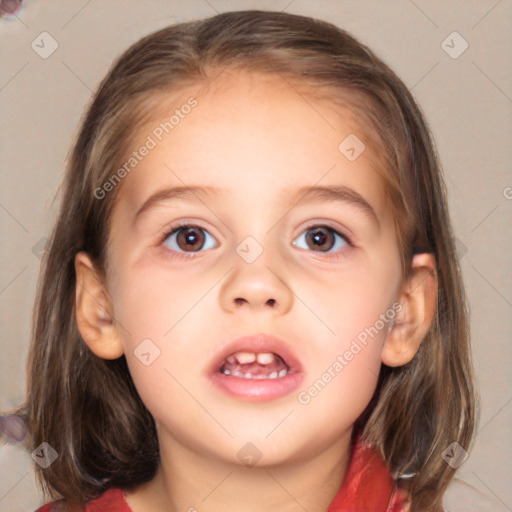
<point>259,285</point>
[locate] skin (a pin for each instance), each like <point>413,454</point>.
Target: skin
<point>252,137</point>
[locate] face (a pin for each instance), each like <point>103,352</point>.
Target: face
<point>250,250</point>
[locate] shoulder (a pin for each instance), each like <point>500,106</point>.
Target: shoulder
<point>111,500</point>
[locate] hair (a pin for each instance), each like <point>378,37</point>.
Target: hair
<point>88,409</point>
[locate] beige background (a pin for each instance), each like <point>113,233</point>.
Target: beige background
<point>467,100</point>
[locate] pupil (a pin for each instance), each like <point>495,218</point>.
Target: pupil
<point>320,237</point>
<point>193,240</point>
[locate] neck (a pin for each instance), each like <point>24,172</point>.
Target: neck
<point>188,481</point>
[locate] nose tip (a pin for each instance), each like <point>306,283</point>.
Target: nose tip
<point>255,286</point>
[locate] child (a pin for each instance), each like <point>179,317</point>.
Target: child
<point>251,299</point>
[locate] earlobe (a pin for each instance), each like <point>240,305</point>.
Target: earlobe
<point>93,308</point>
<point>418,300</point>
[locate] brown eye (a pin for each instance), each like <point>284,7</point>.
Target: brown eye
<point>189,239</point>
<point>320,239</point>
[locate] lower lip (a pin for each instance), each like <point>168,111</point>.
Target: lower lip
<point>257,390</point>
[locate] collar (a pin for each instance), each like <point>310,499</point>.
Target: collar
<point>368,485</point>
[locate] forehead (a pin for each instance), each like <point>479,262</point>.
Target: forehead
<point>251,133</point>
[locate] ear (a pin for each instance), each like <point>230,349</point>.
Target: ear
<point>418,298</point>
<point>93,307</point>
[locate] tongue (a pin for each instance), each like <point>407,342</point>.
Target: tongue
<point>255,369</point>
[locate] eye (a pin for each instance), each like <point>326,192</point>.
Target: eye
<point>189,239</point>
<point>321,238</point>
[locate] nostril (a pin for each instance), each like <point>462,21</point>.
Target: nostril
<point>239,301</point>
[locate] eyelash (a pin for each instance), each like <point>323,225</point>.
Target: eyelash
<point>184,255</point>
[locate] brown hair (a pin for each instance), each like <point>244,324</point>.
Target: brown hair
<point>88,409</point>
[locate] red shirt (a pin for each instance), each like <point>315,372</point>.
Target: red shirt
<point>367,487</point>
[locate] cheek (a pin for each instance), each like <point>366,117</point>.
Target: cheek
<point>357,302</point>
<point>168,396</point>
<point>161,317</point>
<point>348,369</point>
<point>337,397</point>
<point>358,308</point>
<point>149,304</point>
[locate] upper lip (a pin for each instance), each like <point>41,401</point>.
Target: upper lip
<point>257,343</point>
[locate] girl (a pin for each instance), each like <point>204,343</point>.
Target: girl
<point>251,299</point>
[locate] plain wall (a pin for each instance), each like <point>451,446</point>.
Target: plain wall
<point>467,101</point>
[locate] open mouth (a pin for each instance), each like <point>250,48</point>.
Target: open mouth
<point>255,365</point>
<point>256,368</point>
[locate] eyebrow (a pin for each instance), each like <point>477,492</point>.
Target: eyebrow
<point>193,193</point>
<point>333,194</point>
<point>289,197</point>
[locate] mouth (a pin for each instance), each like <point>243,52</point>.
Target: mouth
<point>249,365</point>
<point>257,368</point>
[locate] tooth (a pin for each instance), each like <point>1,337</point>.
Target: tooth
<point>248,376</point>
<point>230,359</point>
<point>226,372</point>
<point>245,357</point>
<point>283,373</point>
<point>265,357</point>
<point>273,375</point>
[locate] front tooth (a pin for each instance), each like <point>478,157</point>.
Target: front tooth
<point>265,357</point>
<point>245,357</point>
